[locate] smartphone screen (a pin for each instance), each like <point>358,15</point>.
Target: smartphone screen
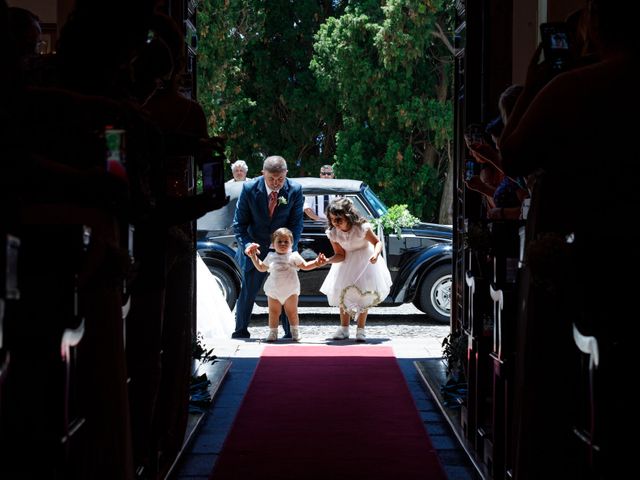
<point>212,176</point>
<point>469,170</point>
<point>555,43</point>
<point>115,150</point>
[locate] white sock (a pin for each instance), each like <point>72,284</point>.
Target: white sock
<point>345,329</point>
<point>274,330</point>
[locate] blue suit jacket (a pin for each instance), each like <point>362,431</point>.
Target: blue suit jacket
<point>251,222</point>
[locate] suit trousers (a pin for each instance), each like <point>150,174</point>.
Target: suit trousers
<point>251,283</point>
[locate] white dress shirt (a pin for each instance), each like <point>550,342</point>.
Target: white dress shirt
<point>317,204</point>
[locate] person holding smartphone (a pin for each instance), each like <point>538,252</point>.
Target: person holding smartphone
<point>555,45</point>
<point>574,130</point>
<point>159,323</point>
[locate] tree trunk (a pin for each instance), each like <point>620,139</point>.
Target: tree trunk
<point>446,201</point>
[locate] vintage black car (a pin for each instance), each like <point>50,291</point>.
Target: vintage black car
<point>419,260</point>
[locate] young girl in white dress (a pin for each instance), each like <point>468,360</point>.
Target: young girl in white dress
<point>358,272</point>
<point>282,286</point>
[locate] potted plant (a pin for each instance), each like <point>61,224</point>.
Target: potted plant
<point>199,353</point>
<point>199,396</point>
<point>454,351</point>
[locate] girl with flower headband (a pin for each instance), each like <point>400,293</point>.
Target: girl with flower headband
<point>282,286</point>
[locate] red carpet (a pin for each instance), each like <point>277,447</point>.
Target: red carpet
<point>328,412</point>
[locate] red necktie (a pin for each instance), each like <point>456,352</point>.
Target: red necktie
<point>273,201</point>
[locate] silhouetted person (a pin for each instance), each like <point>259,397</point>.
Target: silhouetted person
<point>24,27</point>
<point>573,130</point>
<point>92,63</point>
<point>160,409</point>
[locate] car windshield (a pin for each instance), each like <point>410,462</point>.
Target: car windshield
<point>222,218</point>
<point>375,202</point>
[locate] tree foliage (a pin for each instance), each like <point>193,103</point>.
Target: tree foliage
<point>391,77</point>
<point>362,84</point>
<point>256,85</point>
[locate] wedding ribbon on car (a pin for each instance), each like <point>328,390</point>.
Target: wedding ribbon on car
<point>354,300</point>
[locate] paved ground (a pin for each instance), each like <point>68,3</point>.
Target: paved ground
<point>404,325</point>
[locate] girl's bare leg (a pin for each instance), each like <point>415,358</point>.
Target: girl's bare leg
<point>362,318</point>
<point>344,318</point>
<point>275,307</point>
<point>291,309</point>
<point>274,314</point>
<point>343,330</point>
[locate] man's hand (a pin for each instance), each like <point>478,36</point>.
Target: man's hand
<point>311,214</point>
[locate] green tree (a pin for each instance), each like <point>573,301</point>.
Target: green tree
<point>389,71</point>
<point>361,84</point>
<point>255,82</point>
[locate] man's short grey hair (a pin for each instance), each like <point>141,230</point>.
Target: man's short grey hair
<point>274,164</point>
<point>240,164</point>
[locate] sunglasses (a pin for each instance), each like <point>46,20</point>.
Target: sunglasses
<point>326,173</point>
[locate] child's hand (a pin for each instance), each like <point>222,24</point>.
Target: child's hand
<point>321,260</point>
<point>374,258</point>
<point>252,250</point>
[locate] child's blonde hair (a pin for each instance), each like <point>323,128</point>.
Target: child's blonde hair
<point>282,232</point>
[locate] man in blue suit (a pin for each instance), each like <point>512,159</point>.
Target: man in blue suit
<point>265,204</point>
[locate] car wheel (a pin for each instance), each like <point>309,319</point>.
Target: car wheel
<point>224,278</point>
<point>434,296</point>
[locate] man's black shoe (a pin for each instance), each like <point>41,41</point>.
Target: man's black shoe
<point>287,335</point>
<point>241,334</point>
